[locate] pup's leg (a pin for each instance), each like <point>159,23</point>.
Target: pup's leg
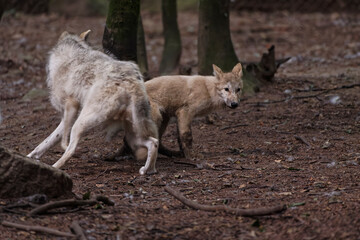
<point>162,123</point>
<point>87,119</point>
<point>170,153</point>
<point>71,110</point>
<point>184,130</point>
<point>50,141</point>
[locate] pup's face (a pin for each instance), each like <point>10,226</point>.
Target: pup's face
<point>229,85</point>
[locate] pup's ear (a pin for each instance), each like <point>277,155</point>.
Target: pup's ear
<point>238,70</point>
<point>85,35</point>
<point>63,35</point>
<point>217,71</point>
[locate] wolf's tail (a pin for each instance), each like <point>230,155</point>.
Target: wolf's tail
<point>142,119</point>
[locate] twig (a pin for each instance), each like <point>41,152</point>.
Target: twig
<point>64,203</point>
<point>322,91</point>
<point>234,126</point>
<point>186,163</point>
<point>105,200</point>
<point>242,212</point>
<point>76,228</point>
<point>302,139</point>
<point>70,203</point>
<point>37,229</point>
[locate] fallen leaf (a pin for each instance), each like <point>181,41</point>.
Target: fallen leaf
<point>285,193</point>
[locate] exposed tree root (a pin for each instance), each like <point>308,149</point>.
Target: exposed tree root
<point>237,211</point>
<point>37,229</point>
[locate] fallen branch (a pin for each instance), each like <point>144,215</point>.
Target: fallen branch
<point>37,229</point>
<point>234,126</point>
<point>75,228</point>
<point>105,200</point>
<point>63,203</point>
<point>320,90</point>
<point>242,212</point>
<point>186,163</point>
<point>70,203</point>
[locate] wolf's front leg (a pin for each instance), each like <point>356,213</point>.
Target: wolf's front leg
<point>50,141</point>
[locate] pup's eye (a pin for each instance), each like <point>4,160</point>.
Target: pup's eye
<point>226,89</point>
<point>238,90</point>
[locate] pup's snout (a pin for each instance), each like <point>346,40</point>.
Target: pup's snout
<point>234,105</point>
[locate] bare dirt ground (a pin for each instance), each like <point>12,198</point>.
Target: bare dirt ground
<point>275,148</point>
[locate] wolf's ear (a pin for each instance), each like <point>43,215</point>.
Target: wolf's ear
<point>217,71</point>
<point>85,35</point>
<point>63,35</point>
<point>238,70</point>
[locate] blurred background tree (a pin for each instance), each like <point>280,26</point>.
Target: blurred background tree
<point>214,39</point>
<point>172,47</point>
<point>120,34</point>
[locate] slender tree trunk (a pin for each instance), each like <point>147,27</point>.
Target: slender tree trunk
<point>214,40</point>
<point>172,47</point>
<point>2,7</point>
<point>120,34</point>
<point>141,49</point>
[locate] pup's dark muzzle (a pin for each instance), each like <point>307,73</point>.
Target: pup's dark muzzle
<point>234,105</point>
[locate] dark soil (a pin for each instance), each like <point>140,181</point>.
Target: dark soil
<point>303,152</point>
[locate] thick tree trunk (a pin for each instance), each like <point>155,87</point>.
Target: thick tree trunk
<point>172,47</point>
<point>214,40</point>
<point>120,34</point>
<point>21,176</point>
<point>141,49</point>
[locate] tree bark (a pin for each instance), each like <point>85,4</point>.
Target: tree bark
<point>172,47</point>
<point>2,7</point>
<point>120,34</point>
<point>214,39</point>
<point>141,49</point>
<point>21,176</point>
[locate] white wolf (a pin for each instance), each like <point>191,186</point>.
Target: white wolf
<point>89,89</point>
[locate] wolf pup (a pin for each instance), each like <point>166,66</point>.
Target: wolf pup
<point>90,89</point>
<point>186,97</point>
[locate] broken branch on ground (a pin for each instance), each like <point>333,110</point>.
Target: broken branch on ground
<point>237,211</point>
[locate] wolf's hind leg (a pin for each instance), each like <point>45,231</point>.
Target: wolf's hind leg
<point>88,118</point>
<point>50,141</point>
<point>152,145</point>
<point>71,110</point>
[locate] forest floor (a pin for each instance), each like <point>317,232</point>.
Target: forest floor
<point>276,148</point>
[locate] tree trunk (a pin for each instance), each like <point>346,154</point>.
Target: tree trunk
<point>214,40</point>
<point>172,47</point>
<point>2,7</point>
<point>21,177</point>
<point>120,34</point>
<point>141,49</point>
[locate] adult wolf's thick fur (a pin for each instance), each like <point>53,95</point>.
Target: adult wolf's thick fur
<point>89,89</point>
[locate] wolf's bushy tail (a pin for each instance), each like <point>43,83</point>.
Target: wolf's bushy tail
<point>145,125</point>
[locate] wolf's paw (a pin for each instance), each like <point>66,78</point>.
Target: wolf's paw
<point>144,171</point>
<point>33,156</point>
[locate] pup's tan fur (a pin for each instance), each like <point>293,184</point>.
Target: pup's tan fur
<point>186,97</point>
<point>92,89</point>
